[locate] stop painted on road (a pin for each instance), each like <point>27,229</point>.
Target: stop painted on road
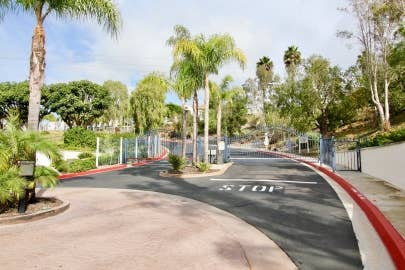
<point>252,188</point>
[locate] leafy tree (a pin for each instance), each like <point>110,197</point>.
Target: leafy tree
<point>397,64</point>
<point>14,97</point>
<point>105,12</point>
<point>318,99</point>
<point>79,103</point>
<point>252,95</point>
<point>148,102</point>
<point>235,115</point>
<point>173,110</point>
<point>118,112</point>
<point>378,24</point>
<point>208,55</point>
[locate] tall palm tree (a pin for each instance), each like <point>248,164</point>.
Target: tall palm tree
<point>266,62</point>
<point>292,58</point>
<point>189,79</point>
<point>184,85</point>
<point>222,94</point>
<point>209,55</point>
<point>264,72</point>
<point>105,12</point>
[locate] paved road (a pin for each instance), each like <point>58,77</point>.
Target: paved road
<point>288,202</point>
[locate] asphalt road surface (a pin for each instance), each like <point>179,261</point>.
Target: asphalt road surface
<point>287,201</point>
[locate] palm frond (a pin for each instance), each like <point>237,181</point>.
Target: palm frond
<point>105,12</point>
<point>46,176</point>
<point>12,186</point>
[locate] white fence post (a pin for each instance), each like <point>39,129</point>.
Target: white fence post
<point>97,150</point>
<point>148,146</point>
<point>136,148</point>
<point>120,160</point>
<point>155,146</point>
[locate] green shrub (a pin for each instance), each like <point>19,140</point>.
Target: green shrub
<point>81,165</point>
<point>61,165</point>
<point>384,138</point>
<point>202,166</point>
<point>80,137</point>
<point>397,135</point>
<point>177,162</point>
<point>106,159</point>
<point>84,155</point>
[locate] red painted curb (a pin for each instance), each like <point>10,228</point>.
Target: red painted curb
<point>391,238</point>
<point>111,168</point>
<point>107,169</point>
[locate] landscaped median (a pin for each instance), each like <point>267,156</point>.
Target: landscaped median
<point>390,237</point>
<point>215,169</point>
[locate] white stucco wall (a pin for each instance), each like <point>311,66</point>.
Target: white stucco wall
<point>67,154</point>
<point>385,162</point>
<point>43,160</point>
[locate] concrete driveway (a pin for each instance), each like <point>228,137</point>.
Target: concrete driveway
<point>288,202</point>
<point>127,229</point>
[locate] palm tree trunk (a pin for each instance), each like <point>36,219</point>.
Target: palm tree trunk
<point>195,127</point>
<point>219,118</point>
<point>206,117</point>
<point>37,75</point>
<point>184,131</point>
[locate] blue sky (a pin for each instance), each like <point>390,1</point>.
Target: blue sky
<point>82,50</point>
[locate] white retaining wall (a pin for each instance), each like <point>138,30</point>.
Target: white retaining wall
<point>386,163</point>
<point>43,160</point>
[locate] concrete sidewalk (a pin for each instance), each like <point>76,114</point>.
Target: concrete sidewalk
<point>125,229</point>
<point>389,199</point>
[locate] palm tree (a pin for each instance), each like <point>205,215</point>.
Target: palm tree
<point>222,94</point>
<point>266,62</point>
<point>264,72</point>
<point>208,56</point>
<point>17,145</point>
<point>105,12</point>
<point>187,82</point>
<point>184,86</point>
<point>292,58</point>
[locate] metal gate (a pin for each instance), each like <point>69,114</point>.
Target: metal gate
<point>273,142</point>
<point>341,155</point>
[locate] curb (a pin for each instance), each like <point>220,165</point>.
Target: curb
<point>95,171</point>
<point>392,239</point>
<point>112,168</point>
<point>183,176</point>
<point>35,216</point>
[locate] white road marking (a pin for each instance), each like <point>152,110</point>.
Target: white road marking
<point>264,180</point>
<point>257,188</point>
<point>254,158</point>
